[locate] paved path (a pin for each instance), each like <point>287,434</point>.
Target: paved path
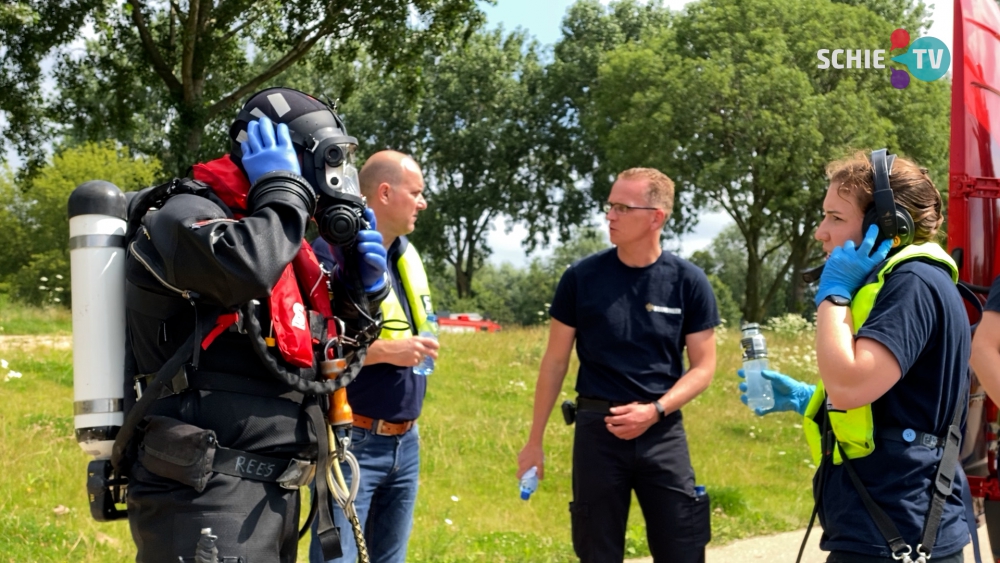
<point>58,341</point>
<point>783,548</point>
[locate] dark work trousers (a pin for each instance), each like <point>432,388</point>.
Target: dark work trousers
<point>656,465</point>
<point>847,557</point>
<point>255,521</point>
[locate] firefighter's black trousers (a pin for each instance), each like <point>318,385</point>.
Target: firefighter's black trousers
<point>656,465</point>
<point>255,521</point>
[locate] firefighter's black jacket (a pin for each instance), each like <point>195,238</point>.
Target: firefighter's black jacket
<point>191,260</point>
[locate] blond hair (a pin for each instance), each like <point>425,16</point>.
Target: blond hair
<point>660,188</point>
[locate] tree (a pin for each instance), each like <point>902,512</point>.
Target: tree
<point>42,210</point>
<point>15,250</point>
<point>725,263</point>
<point>29,30</point>
<point>508,294</point>
<point>590,31</point>
<point>161,76</point>
<point>730,103</point>
<point>472,119</point>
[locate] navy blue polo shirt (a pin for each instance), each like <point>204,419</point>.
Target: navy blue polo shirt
<point>920,317</point>
<point>993,302</point>
<point>384,391</point>
<point>631,322</point>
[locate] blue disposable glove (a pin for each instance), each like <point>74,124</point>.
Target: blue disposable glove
<point>847,267</point>
<point>372,264</point>
<point>789,394</point>
<point>267,150</point>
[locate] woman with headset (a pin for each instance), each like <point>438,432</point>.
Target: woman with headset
<point>892,347</point>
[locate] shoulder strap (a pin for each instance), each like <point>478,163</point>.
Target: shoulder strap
<point>944,478</point>
<point>889,531</point>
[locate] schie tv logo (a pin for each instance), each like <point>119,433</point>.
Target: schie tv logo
<point>927,58</point>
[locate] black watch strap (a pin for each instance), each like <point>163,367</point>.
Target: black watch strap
<point>838,300</point>
<point>659,409</point>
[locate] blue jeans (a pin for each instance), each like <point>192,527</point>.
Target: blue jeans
<point>390,467</point>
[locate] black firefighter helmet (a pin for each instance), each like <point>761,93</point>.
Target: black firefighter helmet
<point>325,150</point>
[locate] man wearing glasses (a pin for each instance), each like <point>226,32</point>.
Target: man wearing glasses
<point>632,310</point>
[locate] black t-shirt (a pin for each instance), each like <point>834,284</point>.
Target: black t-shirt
<point>993,302</point>
<point>384,391</point>
<point>920,317</point>
<point>631,322</point>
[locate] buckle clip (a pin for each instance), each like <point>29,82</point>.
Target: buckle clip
<point>299,473</point>
<point>903,556</point>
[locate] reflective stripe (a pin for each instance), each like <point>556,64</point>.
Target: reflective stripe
<point>96,241</point>
<point>97,406</point>
<point>855,428</point>
<point>418,294</point>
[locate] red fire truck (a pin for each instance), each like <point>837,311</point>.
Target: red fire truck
<point>466,322</point>
<point>974,213</point>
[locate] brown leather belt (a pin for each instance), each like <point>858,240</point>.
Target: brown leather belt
<point>382,427</point>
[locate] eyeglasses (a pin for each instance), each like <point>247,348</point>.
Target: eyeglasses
<point>622,209</point>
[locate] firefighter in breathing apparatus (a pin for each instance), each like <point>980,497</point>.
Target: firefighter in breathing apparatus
<point>234,337</point>
<point>892,347</point>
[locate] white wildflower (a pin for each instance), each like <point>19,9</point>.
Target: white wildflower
<point>59,276</point>
<point>4,364</point>
<point>454,498</point>
<point>43,278</point>
<point>448,521</point>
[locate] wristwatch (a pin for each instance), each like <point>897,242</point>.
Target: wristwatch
<point>838,300</point>
<point>659,409</point>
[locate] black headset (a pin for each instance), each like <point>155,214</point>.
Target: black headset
<point>893,220</point>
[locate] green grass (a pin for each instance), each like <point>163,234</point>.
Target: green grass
<point>16,318</point>
<point>475,421</point>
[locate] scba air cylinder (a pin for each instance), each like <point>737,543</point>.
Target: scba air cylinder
<point>97,266</point>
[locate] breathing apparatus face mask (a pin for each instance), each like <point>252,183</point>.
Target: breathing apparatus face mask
<point>340,212</point>
<point>328,165</point>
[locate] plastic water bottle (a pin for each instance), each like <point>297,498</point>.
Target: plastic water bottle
<point>760,394</point>
<point>529,483</point>
<point>430,330</point>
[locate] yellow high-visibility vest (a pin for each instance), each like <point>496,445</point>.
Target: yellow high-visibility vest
<point>855,428</point>
<point>418,294</point>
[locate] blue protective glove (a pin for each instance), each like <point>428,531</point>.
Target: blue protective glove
<point>267,150</point>
<point>789,394</point>
<point>372,264</point>
<point>847,268</point>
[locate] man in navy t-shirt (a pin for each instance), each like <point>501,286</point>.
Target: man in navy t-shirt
<point>387,395</point>
<point>632,310</point>
<point>986,345</point>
